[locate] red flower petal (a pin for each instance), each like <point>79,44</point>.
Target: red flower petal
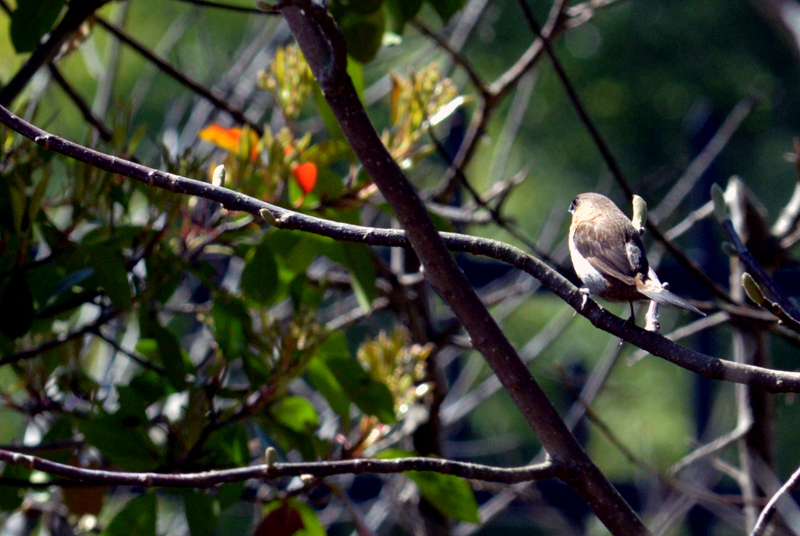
<point>306,176</point>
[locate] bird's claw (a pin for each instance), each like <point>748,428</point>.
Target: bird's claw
<point>585,291</point>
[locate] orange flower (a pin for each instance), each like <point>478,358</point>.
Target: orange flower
<point>229,139</point>
<point>306,176</point>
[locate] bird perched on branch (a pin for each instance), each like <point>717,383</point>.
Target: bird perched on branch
<point>609,257</point>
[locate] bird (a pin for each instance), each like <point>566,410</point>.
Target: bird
<point>609,257</point>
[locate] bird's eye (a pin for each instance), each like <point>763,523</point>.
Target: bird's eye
<point>573,205</point>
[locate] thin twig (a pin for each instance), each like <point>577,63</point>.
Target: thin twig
<point>703,160</point>
<point>131,355</point>
<point>76,14</point>
<point>608,157</point>
<point>208,479</point>
<point>86,112</point>
<point>472,74</point>
<point>180,77</point>
<point>755,269</point>
<point>577,105</point>
<point>228,7</point>
<point>59,340</point>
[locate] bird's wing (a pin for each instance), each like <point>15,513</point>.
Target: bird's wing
<point>614,252</point>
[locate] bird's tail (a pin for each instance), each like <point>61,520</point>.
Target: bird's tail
<point>662,295</point>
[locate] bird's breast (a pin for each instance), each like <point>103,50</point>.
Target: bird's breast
<point>589,275</point>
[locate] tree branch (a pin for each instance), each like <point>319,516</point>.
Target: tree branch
<point>656,344</point>
<point>76,14</point>
<point>180,77</point>
<point>207,479</point>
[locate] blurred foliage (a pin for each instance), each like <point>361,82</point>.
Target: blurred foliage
<point>191,338</point>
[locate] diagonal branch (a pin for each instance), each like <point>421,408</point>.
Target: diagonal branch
<point>76,14</point>
<point>764,519</point>
<point>656,344</point>
<point>180,77</point>
<point>324,48</point>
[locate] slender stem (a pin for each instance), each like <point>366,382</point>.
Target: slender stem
<point>207,479</point>
<point>180,77</point>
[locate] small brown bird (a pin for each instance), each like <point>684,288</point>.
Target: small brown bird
<point>609,257</point>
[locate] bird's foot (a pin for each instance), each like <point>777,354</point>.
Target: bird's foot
<point>585,291</point>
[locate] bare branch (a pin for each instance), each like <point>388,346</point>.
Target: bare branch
<point>180,77</point>
<point>702,161</point>
<point>764,519</point>
<point>706,366</point>
<point>76,14</point>
<point>208,479</point>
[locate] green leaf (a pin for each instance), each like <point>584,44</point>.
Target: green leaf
<point>19,203</point>
<point>138,517</point>
<point>122,438</point>
<point>31,20</point>
<point>35,202</point>
<point>371,396</point>
<point>363,33</point>
<point>16,306</point>
<point>446,8</point>
<point>324,109</point>
<point>11,497</point>
<point>260,275</point>
<point>295,413</point>
<point>171,356</point>
<point>306,294</point>
<point>202,512</point>
<point>327,152</point>
<point>358,260</point>
<point>232,324</point>
<point>356,72</point>
<point>72,279</point>
<point>364,7</point>
<point>227,447</point>
<point>322,379</point>
<point>112,276</point>
<point>451,495</point>
<point>310,520</point>
<point>402,11</point>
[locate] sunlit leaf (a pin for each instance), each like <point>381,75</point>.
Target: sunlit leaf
<point>451,495</point>
<point>324,381</point>
<point>295,413</point>
<point>371,396</point>
<point>231,325</point>
<point>230,139</point>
